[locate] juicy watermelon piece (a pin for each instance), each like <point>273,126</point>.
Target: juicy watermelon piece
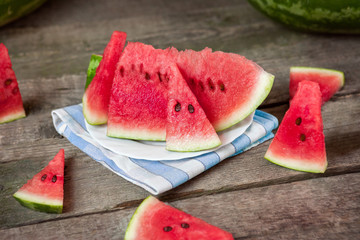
<point>330,81</point>
<point>97,96</point>
<point>299,143</point>
<point>11,104</point>
<point>154,219</point>
<point>138,100</point>
<point>187,128</point>
<point>228,86</point>
<point>45,191</point>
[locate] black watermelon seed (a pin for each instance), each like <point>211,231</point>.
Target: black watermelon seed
<point>8,82</point>
<point>192,81</point>
<point>177,107</point>
<point>122,71</point>
<point>298,121</point>
<point>185,225</point>
<point>191,108</point>
<point>54,178</point>
<point>15,90</point>
<point>201,86</point>
<point>159,75</point>
<point>147,76</point>
<point>302,137</point>
<point>211,84</point>
<point>43,177</point>
<point>221,86</point>
<point>167,229</point>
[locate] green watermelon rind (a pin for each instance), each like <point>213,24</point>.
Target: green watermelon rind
<point>14,116</point>
<point>197,145</point>
<point>295,164</point>
<point>133,224</point>
<point>12,10</point>
<point>320,70</point>
<point>314,16</point>
<point>93,64</point>
<point>38,203</point>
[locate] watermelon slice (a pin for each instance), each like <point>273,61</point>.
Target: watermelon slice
<point>45,192</point>
<point>330,81</point>
<point>228,86</point>
<point>299,143</point>
<point>11,104</point>
<point>138,99</point>
<point>154,219</point>
<point>187,127</point>
<point>97,95</point>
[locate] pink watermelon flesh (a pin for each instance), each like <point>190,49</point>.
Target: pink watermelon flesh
<point>228,86</point>
<point>330,81</point>
<point>97,95</point>
<point>11,104</point>
<point>154,219</point>
<point>187,128</point>
<point>299,143</point>
<point>138,100</point>
<point>45,192</point>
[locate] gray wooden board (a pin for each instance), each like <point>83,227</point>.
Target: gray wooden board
<point>298,210</point>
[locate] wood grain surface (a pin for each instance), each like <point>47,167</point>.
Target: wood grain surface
<point>245,195</point>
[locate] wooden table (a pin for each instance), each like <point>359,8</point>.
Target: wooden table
<point>245,195</point>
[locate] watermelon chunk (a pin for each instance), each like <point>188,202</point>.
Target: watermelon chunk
<point>228,86</point>
<point>138,99</point>
<point>299,143</point>
<point>97,95</point>
<point>154,219</point>
<point>45,191</point>
<point>11,104</point>
<point>330,81</point>
<point>187,127</point>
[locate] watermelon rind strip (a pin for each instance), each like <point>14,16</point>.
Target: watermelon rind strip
<point>13,116</point>
<point>133,226</point>
<point>296,164</point>
<point>93,64</point>
<point>39,203</point>
<point>303,69</point>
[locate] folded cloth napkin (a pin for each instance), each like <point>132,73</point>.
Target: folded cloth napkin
<point>158,176</point>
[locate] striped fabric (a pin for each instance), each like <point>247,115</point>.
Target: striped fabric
<point>157,176</point>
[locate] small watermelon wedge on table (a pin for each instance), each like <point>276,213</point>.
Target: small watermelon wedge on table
<point>329,80</point>
<point>97,95</point>
<point>299,143</point>
<point>45,191</point>
<point>11,104</point>
<point>155,220</point>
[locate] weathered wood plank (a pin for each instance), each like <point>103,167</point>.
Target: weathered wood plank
<point>299,210</point>
<point>244,171</point>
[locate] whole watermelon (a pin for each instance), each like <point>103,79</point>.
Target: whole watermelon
<point>325,16</point>
<point>11,10</point>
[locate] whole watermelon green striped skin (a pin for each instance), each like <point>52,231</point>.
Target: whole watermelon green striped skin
<point>11,10</point>
<point>334,16</point>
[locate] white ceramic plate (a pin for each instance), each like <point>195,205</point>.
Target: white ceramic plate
<point>155,151</point>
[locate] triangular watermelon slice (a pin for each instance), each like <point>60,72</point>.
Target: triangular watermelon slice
<point>299,143</point>
<point>45,191</point>
<point>154,220</point>
<point>228,86</point>
<point>138,99</point>
<point>329,80</point>
<point>187,127</point>
<point>97,95</point>
<point>11,104</point>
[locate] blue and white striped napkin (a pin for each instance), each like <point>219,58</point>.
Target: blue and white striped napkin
<point>157,176</point>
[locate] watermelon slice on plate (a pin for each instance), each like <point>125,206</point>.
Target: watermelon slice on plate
<point>299,143</point>
<point>11,104</point>
<point>138,99</point>
<point>329,80</point>
<point>154,220</point>
<point>228,86</point>
<point>97,95</point>
<point>45,191</point>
